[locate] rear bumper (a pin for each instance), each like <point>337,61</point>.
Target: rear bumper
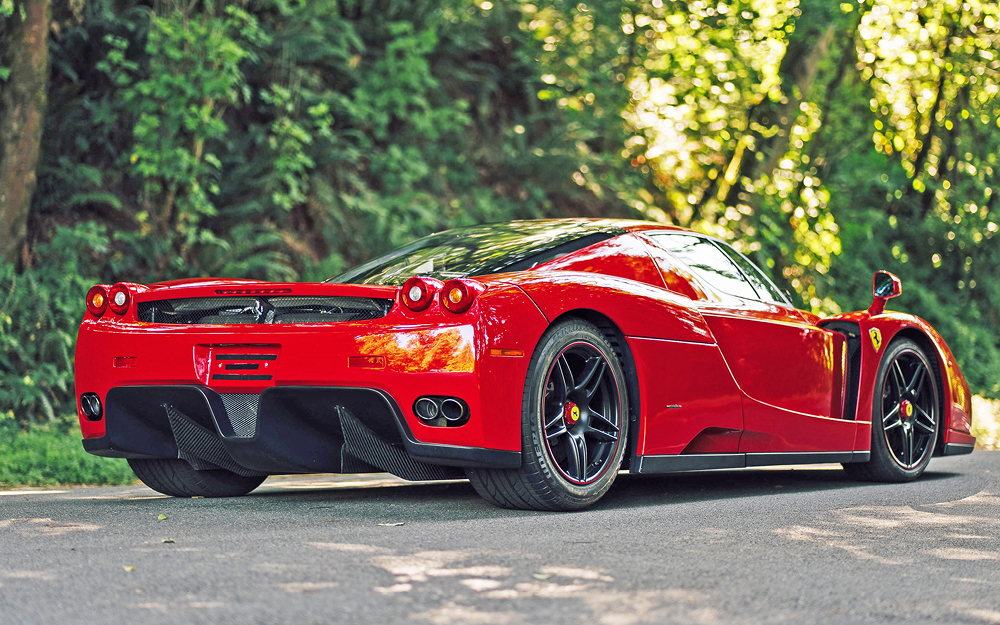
<point>284,429</point>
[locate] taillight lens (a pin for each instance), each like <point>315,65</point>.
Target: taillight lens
<point>119,298</point>
<point>97,300</point>
<point>457,295</point>
<point>419,292</point>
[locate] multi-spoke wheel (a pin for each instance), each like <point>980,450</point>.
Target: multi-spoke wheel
<point>905,416</point>
<point>574,425</point>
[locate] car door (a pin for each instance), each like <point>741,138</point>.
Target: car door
<point>791,372</point>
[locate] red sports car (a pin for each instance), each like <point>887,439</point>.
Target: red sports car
<point>537,358</point>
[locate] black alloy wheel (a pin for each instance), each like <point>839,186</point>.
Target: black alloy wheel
<point>574,424</point>
<point>905,416</point>
<point>909,414</point>
<point>581,413</point>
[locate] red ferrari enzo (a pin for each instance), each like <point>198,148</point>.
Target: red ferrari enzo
<point>536,358</point>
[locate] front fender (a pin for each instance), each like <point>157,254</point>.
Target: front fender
<point>956,399</point>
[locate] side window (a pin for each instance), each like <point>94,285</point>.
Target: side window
<point>709,262</point>
<point>760,282</point>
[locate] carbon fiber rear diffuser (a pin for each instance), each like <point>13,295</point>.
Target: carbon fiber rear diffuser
<point>200,446</point>
<point>361,443</point>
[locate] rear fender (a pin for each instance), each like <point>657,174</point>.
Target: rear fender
<point>638,309</point>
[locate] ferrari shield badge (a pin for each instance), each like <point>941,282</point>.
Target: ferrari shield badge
<point>876,338</point>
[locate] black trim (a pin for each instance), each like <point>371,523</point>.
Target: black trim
<point>236,376</point>
<point>297,431</point>
<point>245,357</point>
<point>245,366</point>
<point>702,462</point>
<point>689,462</point>
<point>813,457</point>
<point>956,449</point>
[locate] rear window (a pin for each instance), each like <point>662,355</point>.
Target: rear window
<point>480,250</point>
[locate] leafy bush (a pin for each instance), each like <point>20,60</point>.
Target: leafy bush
<point>40,312</point>
<point>47,456</point>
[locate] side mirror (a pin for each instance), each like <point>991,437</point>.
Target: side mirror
<point>884,286</point>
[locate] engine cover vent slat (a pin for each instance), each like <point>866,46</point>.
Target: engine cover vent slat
<point>262,310</point>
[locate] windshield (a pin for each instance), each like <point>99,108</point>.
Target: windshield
<point>480,250</point>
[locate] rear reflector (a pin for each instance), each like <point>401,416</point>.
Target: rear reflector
<point>516,353</point>
<point>367,362</point>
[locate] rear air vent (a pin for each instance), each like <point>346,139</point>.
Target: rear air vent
<point>241,410</point>
<point>262,310</point>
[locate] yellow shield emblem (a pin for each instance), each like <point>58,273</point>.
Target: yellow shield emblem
<point>876,338</point>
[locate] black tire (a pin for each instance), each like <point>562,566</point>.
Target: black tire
<point>905,416</point>
<point>178,478</point>
<point>574,367</point>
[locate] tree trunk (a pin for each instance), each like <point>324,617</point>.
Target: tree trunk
<point>24,49</point>
<point>807,46</point>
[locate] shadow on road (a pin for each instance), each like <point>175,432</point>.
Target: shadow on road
<point>458,501</point>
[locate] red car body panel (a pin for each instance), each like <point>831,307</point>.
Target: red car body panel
<point>714,376</point>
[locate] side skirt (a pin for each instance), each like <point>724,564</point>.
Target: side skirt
<point>702,462</point>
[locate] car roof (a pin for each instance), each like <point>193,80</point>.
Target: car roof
<point>587,225</point>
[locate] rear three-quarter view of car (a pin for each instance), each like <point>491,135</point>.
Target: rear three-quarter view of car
<point>536,358</point>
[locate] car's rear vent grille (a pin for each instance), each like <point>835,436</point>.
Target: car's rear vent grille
<point>270,309</point>
<point>241,409</point>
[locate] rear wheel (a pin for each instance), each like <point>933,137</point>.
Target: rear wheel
<point>905,416</point>
<point>178,478</point>
<point>574,425</point>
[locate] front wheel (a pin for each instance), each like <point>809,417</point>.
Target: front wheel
<point>178,478</point>
<point>574,425</point>
<point>905,416</point>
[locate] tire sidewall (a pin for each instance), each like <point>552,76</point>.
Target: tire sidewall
<point>881,453</point>
<point>535,447</point>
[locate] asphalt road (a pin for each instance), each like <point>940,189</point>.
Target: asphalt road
<point>763,546</point>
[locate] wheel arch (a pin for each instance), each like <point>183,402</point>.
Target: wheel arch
<point>616,337</point>
<point>930,348</point>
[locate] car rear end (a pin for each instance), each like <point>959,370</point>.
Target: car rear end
<point>260,378</point>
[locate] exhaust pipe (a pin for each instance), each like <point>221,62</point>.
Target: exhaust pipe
<point>426,408</point>
<point>452,409</point>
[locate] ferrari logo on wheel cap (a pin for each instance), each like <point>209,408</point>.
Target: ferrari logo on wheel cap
<point>876,335</point>
<point>572,413</point>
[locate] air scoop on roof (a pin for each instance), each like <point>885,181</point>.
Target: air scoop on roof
<point>283,309</point>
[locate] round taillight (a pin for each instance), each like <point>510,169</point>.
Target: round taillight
<point>97,300</point>
<point>457,295</point>
<point>418,292</point>
<point>119,298</point>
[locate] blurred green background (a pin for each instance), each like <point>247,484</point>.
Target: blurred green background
<point>288,140</point>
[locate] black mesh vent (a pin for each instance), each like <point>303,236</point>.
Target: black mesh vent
<point>241,408</point>
<point>284,309</point>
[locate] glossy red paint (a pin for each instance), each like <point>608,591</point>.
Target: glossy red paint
<point>895,288</point>
<point>714,374</point>
<point>956,400</point>
<point>678,407</point>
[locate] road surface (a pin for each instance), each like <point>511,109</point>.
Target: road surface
<point>801,545</point>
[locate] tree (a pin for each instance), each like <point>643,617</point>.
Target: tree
<point>24,62</point>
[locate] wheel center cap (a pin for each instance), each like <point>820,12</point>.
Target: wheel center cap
<point>571,413</point>
<point>906,409</point>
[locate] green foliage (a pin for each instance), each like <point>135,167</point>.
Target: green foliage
<point>288,140</point>
<point>47,457</point>
<point>40,312</point>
